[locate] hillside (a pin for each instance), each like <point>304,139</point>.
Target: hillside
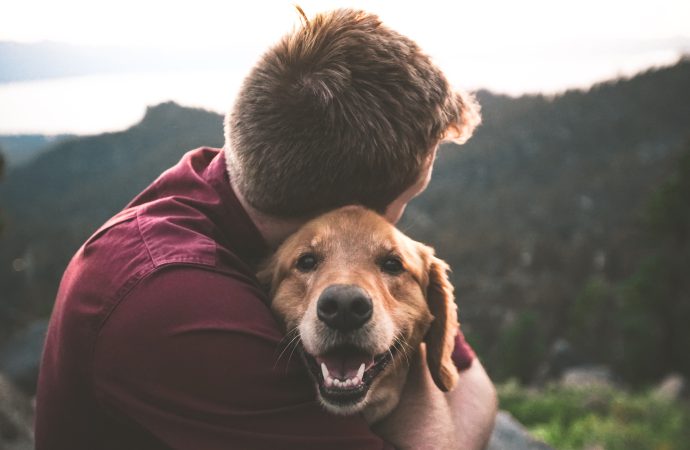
<point>19,149</point>
<point>548,196</point>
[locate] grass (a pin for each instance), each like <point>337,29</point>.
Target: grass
<point>600,418</point>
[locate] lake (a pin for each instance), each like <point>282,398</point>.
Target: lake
<point>94,104</point>
<point>99,103</point>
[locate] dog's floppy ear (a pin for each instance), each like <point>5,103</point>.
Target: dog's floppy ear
<point>440,339</point>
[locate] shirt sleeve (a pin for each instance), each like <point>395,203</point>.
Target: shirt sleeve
<point>196,359</point>
<point>463,355</point>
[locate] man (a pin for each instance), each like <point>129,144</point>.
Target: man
<point>161,336</point>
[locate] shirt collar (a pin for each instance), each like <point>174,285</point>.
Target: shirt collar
<point>235,225</point>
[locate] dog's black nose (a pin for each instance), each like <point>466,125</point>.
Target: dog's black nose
<point>344,307</point>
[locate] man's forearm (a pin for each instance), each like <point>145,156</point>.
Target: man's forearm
<point>426,418</point>
<point>473,403</point>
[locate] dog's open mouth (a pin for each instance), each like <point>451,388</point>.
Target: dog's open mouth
<point>344,374</point>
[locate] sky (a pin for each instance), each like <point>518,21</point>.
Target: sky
<point>513,47</point>
<point>475,25</point>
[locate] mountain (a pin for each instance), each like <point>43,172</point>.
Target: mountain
<point>542,209</point>
<point>19,149</point>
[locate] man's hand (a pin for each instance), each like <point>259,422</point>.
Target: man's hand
<point>427,418</point>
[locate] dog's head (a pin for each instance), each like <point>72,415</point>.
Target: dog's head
<point>362,296</point>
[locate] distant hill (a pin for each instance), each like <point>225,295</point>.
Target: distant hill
<point>19,149</point>
<point>547,196</point>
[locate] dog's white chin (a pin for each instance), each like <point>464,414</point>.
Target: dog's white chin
<point>344,410</point>
<point>381,398</point>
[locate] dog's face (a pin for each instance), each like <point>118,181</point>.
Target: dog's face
<point>361,296</point>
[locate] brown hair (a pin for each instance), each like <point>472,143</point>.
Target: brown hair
<point>342,110</point>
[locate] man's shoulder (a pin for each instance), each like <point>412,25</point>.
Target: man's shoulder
<point>141,240</point>
<point>166,231</point>
<point>136,249</point>
<point>187,222</point>
<point>127,248</point>
<point>189,215</point>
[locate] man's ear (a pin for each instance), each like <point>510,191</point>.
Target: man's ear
<point>440,339</point>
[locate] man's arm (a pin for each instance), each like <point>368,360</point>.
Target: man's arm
<point>192,358</point>
<point>427,418</point>
<point>473,404</point>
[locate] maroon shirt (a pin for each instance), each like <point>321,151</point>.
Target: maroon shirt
<point>162,338</point>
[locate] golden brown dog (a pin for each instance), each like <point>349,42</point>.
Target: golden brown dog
<point>362,299</point>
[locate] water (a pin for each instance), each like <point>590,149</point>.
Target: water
<point>94,104</point>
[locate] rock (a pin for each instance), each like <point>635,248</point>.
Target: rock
<point>671,388</point>
<point>20,356</point>
<point>509,434</point>
<point>16,418</point>
<point>587,377</point>
<point>561,356</point>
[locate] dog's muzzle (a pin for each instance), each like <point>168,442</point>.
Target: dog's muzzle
<point>345,371</point>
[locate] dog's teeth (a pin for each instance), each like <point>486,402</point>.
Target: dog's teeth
<point>356,381</point>
<point>360,372</point>
<point>328,381</point>
<point>348,383</point>
<point>324,370</point>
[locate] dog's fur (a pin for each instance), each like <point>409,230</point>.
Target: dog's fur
<point>412,308</point>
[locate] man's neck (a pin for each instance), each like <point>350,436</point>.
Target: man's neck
<point>274,230</point>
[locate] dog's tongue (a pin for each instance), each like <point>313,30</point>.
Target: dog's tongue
<point>345,363</point>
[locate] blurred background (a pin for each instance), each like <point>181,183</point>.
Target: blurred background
<point>566,218</point>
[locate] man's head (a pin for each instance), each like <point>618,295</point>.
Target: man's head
<point>342,110</point>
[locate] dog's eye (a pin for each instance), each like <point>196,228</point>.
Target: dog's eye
<point>306,262</point>
<point>392,265</point>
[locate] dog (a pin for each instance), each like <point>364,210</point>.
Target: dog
<point>363,301</point>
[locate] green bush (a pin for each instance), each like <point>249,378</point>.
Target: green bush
<point>607,418</point>
<point>520,348</point>
<point>592,320</point>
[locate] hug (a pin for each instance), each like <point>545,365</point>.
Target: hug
<point>258,296</point>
